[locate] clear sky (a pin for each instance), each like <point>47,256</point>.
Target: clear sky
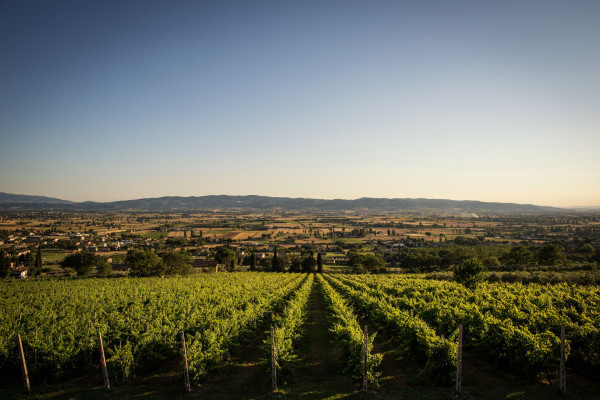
<point>482,100</point>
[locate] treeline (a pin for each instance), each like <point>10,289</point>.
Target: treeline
<point>442,258</point>
<point>142,262</point>
<point>588,276</point>
<point>301,260</point>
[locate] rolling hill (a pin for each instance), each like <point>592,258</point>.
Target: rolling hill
<point>265,203</point>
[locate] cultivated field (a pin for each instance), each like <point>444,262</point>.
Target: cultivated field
<point>511,337</point>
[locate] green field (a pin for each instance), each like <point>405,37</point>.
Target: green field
<point>54,256</point>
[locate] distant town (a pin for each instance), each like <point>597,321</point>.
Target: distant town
<point>43,243</point>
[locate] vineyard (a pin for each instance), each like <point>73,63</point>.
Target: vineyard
<point>511,328</point>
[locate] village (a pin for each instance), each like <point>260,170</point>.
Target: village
<point>403,242</point>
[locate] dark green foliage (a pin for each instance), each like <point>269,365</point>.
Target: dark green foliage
<point>144,263</point>
<point>37,267</point>
<point>84,263</point>
<point>177,263</point>
<point>429,259</point>
<point>309,264</point>
<point>225,255</point>
<point>550,254</point>
<point>285,262</point>
<point>518,255</point>
<point>103,268</point>
<point>319,263</point>
<point>26,259</point>
<point>253,262</point>
<point>4,265</point>
<point>470,273</point>
<point>467,241</point>
<point>275,267</point>
<point>588,253</point>
<point>366,263</point>
<point>295,263</point>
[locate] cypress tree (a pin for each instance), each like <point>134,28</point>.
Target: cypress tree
<point>38,261</point>
<point>319,263</point>
<point>253,262</point>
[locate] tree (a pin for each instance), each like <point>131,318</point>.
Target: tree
<point>588,252</point>
<point>225,255</point>
<point>4,265</point>
<point>518,255</point>
<point>275,263</point>
<point>295,263</point>
<point>285,262</point>
<point>253,262</point>
<point>177,263</point>
<point>550,254</point>
<point>103,268</point>
<point>27,259</point>
<point>308,264</point>
<point>361,263</point>
<point>38,262</point>
<point>319,263</point>
<point>144,263</point>
<point>84,263</point>
<point>470,273</point>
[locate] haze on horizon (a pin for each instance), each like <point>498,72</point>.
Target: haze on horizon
<point>464,100</point>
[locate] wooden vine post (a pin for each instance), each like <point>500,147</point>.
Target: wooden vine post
<point>23,365</point>
<point>185,364</point>
<point>273,361</point>
<point>459,349</point>
<point>563,372</point>
<point>366,361</point>
<point>103,362</point>
<point>91,343</point>
<point>35,348</point>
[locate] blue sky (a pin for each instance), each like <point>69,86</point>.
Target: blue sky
<point>484,100</point>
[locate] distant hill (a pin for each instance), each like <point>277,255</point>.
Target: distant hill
<point>265,203</point>
<point>8,198</point>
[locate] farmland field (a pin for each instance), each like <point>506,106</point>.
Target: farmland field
<point>512,336</point>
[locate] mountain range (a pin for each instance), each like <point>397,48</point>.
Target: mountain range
<point>265,203</point>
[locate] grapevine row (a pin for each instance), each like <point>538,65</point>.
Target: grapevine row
<point>501,340</point>
<point>347,331</point>
<point>438,353</point>
<point>206,348</point>
<point>287,327</point>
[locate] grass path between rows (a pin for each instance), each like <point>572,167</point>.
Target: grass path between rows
<point>315,374</point>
